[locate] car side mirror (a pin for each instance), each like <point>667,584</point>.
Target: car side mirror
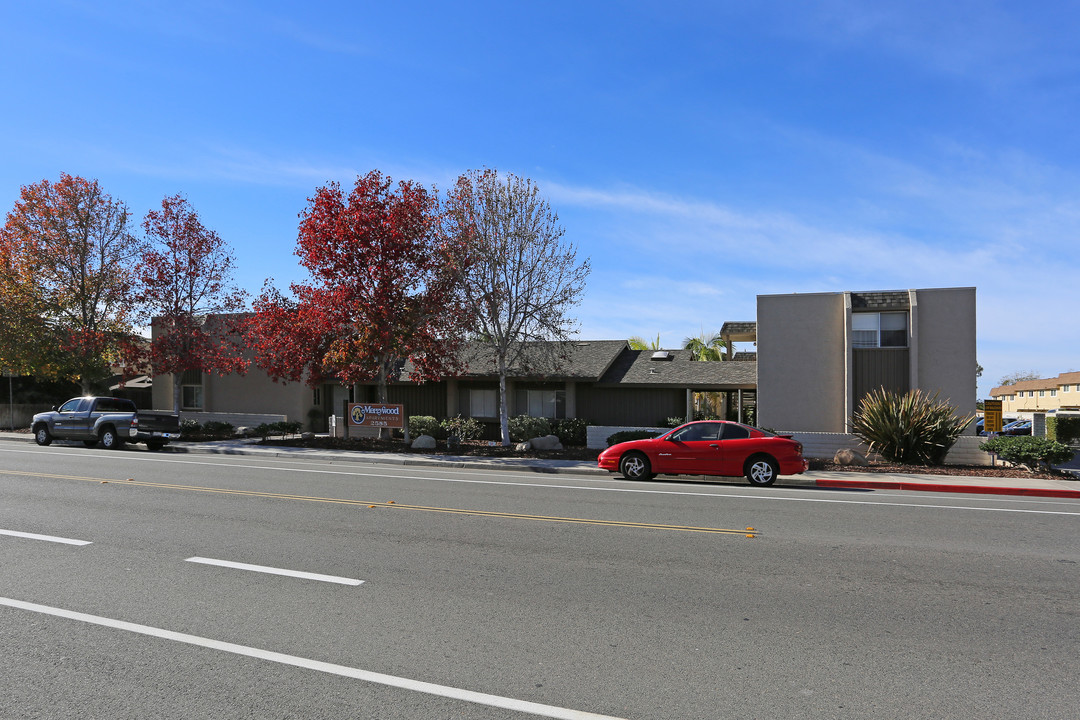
<point>54,408</point>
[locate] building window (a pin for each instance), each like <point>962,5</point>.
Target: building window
<point>316,397</point>
<point>1053,393</point>
<point>482,402</point>
<point>191,397</point>
<point>872,330</point>
<point>191,390</point>
<point>1042,393</point>
<point>1066,388</point>
<point>542,403</point>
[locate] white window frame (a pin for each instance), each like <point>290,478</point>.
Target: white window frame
<point>861,336</point>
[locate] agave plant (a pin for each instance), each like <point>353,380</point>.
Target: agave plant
<point>915,428</point>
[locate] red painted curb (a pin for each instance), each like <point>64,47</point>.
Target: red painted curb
<point>936,487</point>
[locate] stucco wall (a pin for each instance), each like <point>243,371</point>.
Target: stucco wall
<point>944,329</point>
<point>801,352</point>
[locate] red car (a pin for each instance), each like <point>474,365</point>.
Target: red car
<point>708,447</point>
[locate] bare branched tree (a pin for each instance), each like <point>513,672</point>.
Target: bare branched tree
<point>523,279</point>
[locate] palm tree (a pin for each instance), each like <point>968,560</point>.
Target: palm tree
<point>637,343</point>
<point>706,348</point>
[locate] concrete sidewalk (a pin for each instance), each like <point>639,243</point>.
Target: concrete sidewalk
<point>1033,487</point>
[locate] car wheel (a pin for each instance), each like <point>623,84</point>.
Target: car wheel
<point>90,443</point>
<point>154,445</point>
<point>110,440</point>
<point>42,436</point>
<point>761,470</point>
<point>635,466</point>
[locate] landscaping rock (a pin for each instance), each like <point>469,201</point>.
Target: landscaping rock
<point>424,442</point>
<point>849,457</point>
<point>524,446</point>
<point>548,442</point>
<point>307,436</point>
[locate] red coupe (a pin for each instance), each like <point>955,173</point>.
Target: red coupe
<point>708,447</point>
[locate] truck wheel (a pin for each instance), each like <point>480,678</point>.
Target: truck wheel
<point>110,440</point>
<point>42,436</point>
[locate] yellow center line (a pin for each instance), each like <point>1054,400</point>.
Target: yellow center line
<point>391,504</point>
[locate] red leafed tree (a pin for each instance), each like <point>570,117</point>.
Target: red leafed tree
<point>384,288</point>
<point>65,281</point>
<point>185,289</point>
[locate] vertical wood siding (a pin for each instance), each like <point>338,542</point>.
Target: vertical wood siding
<point>879,367</point>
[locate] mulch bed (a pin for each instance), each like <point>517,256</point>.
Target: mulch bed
<point>953,470</point>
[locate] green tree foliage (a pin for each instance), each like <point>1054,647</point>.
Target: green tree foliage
<point>914,428</point>
<point>639,343</point>
<point>706,347</point>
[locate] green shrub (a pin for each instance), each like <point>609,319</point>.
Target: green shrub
<point>190,427</point>
<point>1028,450</point>
<point>463,428</point>
<point>217,430</point>
<point>627,435</point>
<point>282,428</point>
<point>524,427</point>
<point>673,422</point>
<point>913,429</point>
<point>573,431</point>
<point>424,425</point>
<point>1063,428</point>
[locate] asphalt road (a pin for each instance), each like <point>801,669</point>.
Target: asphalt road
<point>463,594</point>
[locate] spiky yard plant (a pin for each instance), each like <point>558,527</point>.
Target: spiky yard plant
<point>915,428</point>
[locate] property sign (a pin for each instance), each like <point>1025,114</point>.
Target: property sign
<point>375,415</point>
<point>992,415</point>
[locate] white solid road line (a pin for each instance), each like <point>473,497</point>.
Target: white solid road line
<point>47,538</point>
<point>276,571</point>
<point>525,706</point>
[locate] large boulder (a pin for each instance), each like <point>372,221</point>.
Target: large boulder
<point>845,456</point>
<point>424,442</point>
<point>548,442</point>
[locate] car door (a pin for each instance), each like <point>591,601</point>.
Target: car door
<point>72,418</point>
<point>736,446</point>
<point>695,449</point>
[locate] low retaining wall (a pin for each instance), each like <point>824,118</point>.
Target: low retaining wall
<point>19,415</point>
<point>237,420</point>
<point>824,445</point>
<point>820,445</point>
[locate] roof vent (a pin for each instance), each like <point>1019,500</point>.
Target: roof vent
<point>662,355</point>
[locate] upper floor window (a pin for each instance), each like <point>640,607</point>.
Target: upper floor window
<point>1065,388</point>
<point>1042,393</point>
<point>886,329</point>
<point>1053,393</point>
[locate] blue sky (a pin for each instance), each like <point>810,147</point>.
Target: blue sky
<point>700,154</point>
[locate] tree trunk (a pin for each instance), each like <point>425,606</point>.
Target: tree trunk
<point>504,420</point>
<point>176,388</point>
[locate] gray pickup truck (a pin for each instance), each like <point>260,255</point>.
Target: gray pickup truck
<point>110,421</point>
